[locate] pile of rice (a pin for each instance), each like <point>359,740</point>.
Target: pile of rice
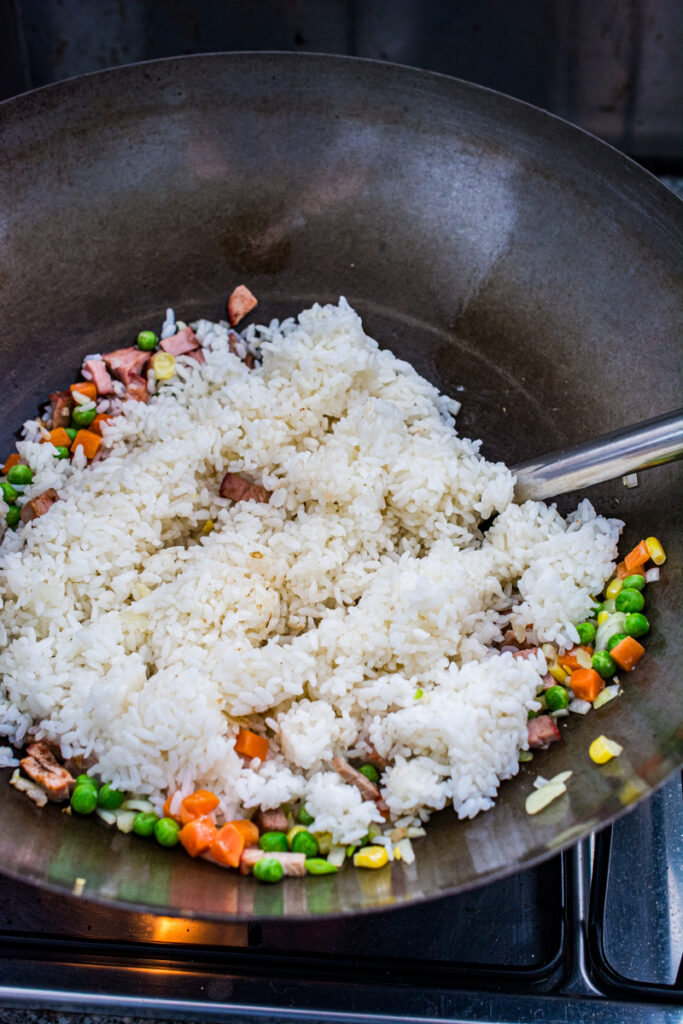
<point>357,609</point>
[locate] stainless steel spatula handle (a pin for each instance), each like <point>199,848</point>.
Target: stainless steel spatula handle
<point>624,451</point>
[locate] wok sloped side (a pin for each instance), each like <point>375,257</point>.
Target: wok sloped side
<point>497,248</point>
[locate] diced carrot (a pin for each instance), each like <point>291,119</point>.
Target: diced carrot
<point>568,659</point>
<point>639,556</point>
<point>96,425</point>
<point>198,805</point>
<point>13,460</point>
<point>60,438</point>
<point>627,653</point>
<point>623,572</point>
<point>586,683</point>
<point>197,836</point>
<point>85,387</point>
<point>89,442</point>
<point>227,846</point>
<point>250,744</point>
<point>248,830</point>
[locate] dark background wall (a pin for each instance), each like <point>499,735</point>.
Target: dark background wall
<point>612,66</point>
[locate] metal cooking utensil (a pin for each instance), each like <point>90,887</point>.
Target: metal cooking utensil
<point>628,450</point>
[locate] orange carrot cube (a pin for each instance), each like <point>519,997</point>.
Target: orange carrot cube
<point>13,460</point>
<point>85,387</point>
<point>198,805</point>
<point>639,556</point>
<point>627,653</point>
<point>227,846</point>
<point>197,836</point>
<point>89,442</point>
<point>586,683</point>
<point>96,425</point>
<point>250,744</point>
<point>60,438</point>
<point>248,830</point>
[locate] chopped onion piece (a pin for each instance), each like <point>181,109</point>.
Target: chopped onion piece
<point>540,781</point>
<point>652,575</point>
<point>415,832</point>
<point>108,817</point>
<point>561,777</point>
<point>584,659</point>
<point>608,694</point>
<point>125,820</point>
<point>560,713</point>
<point>337,856</point>
<point>580,707</point>
<point>137,804</point>
<point>549,650</point>
<point>405,851</point>
<point>630,480</point>
<point>540,798</point>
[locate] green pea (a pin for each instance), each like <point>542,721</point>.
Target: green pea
<point>629,600</point>
<point>370,772</point>
<point>110,799</point>
<point>273,842</point>
<point>268,869</point>
<point>84,799</point>
<point>166,831</point>
<point>305,818</point>
<point>530,715</point>
<point>81,417</point>
<point>616,639</point>
<point>62,452</point>
<point>144,823</point>
<point>635,582</point>
<point>8,493</point>
<point>556,698</point>
<point>13,517</point>
<point>20,474</point>
<point>71,431</point>
<point>604,664</point>
<point>86,780</point>
<point>305,842</point>
<point>636,624</point>
<point>147,340</point>
<point>586,631</point>
<point>320,866</point>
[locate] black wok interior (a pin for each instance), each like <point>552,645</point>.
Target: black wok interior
<point>497,248</point>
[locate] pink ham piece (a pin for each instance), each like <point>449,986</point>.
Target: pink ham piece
<point>236,487</point>
<point>542,731</point>
<point>42,766</point>
<point>99,376</point>
<point>62,403</point>
<point>125,363</point>
<point>526,653</point>
<point>181,343</point>
<point>368,790</point>
<point>293,864</point>
<point>136,388</point>
<point>271,821</point>
<point>240,303</point>
<point>38,506</point>
<point>197,355</point>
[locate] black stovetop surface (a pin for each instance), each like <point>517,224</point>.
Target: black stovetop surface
<point>595,934</point>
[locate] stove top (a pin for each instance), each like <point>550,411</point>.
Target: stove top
<point>596,934</point>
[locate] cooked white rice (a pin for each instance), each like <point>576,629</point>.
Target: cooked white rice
<point>357,609</point>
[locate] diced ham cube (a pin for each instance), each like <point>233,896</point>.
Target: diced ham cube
<point>181,343</point>
<point>542,731</point>
<point>240,303</point>
<point>368,790</point>
<point>38,506</point>
<point>41,765</point>
<point>62,403</point>
<point>236,487</point>
<point>293,864</point>
<point>100,376</point>
<point>271,821</point>
<point>136,388</point>
<point>125,363</point>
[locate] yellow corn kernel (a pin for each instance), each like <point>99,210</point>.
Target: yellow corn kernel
<point>397,854</point>
<point>603,750</point>
<point>294,831</point>
<point>163,364</point>
<point>657,553</point>
<point>371,857</point>
<point>613,588</point>
<point>324,840</point>
<point>558,673</point>
<point>602,616</point>
<point>208,526</point>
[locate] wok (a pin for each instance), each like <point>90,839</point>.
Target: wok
<point>497,248</point>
